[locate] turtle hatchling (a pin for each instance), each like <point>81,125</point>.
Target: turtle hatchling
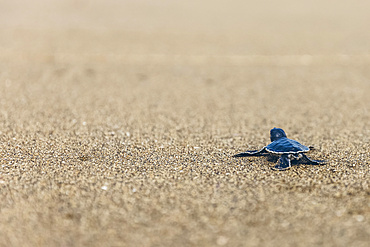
<point>287,149</point>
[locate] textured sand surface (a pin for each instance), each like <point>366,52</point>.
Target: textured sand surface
<point>118,120</point>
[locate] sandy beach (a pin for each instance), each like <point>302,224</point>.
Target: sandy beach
<point>119,120</point>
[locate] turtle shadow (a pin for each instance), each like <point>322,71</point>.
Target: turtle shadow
<point>274,159</point>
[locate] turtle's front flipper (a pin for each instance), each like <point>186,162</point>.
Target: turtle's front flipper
<point>283,163</point>
<point>307,160</point>
<point>261,152</point>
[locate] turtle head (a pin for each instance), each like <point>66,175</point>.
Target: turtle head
<point>276,134</point>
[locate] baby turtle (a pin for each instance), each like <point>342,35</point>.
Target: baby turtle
<point>288,150</point>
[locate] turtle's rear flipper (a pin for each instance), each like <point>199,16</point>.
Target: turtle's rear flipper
<point>261,152</point>
<point>311,147</point>
<point>307,160</point>
<point>283,163</point>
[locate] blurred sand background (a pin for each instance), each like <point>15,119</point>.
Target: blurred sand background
<point>118,120</point>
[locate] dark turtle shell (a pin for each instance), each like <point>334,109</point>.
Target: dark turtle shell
<point>286,146</point>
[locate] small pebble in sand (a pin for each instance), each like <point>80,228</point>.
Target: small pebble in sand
<point>359,218</point>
